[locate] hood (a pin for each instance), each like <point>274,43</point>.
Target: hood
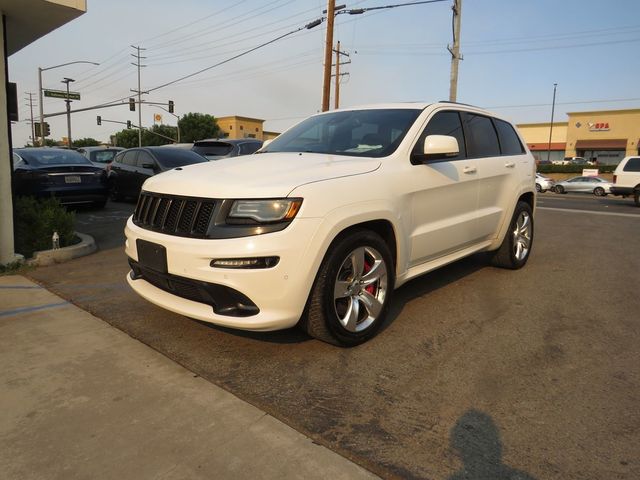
<point>267,175</point>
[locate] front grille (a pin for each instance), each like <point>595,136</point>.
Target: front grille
<point>181,216</point>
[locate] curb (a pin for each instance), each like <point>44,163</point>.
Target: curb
<point>43,258</point>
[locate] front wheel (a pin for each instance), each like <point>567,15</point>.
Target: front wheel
<point>350,296</point>
<point>559,189</point>
<point>599,192</point>
<point>516,246</point>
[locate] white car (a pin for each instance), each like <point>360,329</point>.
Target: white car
<point>626,178</point>
<point>333,215</point>
<point>544,183</point>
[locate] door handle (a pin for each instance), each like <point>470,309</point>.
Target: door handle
<point>469,170</point>
<point>509,164</point>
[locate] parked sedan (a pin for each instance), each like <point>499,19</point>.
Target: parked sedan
<point>596,185</point>
<point>544,183</point>
<point>132,167</point>
<point>62,173</point>
<point>214,149</point>
<point>100,156</point>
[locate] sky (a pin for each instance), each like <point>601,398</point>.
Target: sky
<point>514,51</point>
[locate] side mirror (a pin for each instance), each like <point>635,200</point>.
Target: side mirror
<point>264,145</point>
<point>440,146</point>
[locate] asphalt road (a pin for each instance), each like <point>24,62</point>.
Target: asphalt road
<point>479,370</point>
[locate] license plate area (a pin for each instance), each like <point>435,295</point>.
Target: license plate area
<point>152,255</point>
<point>72,179</point>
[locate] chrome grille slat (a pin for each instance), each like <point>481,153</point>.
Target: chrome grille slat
<point>180,216</point>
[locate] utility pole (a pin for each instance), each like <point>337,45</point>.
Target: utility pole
<point>338,74</point>
<point>33,130</point>
<point>139,91</point>
<point>553,107</point>
<point>68,102</point>
<point>455,50</point>
<point>328,47</point>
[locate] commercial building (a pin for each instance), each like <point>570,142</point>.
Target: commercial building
<point>606,136</point>
<point>23,22</point>
<point>236,127</point>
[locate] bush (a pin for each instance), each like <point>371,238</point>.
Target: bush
<point>549,168</point>
<point>36,220</point>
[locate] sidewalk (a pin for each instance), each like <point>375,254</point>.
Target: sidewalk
<point>81,399</point>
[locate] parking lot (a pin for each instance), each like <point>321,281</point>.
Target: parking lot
<point>489,370</point>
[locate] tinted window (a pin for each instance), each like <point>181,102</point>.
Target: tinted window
<point>46,157</point>
<point>362,133</point>
<point>118,158</point>
<point>176,157</point>
<point>509,141</point>
<point>130,157</point>
<point>444,123</point>
<point>249,148</point>
<point>103,156</point>
<point>213,149</point>
<point>633,165</point>
<point>482,141</point>
<point>145,159</point>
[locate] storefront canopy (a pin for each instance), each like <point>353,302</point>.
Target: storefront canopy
<point>613,144</point>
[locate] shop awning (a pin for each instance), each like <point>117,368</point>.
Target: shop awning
<point>538,147</point>
<point>619,144</point>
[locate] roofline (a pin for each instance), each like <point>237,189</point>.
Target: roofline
<point>239,117</point>
<point>543,124</point>
<point>604,112</point>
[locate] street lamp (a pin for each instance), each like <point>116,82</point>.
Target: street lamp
<point>67,81</point>
<point>40,70</point>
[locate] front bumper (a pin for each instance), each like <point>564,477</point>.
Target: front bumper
<point>279,293</point>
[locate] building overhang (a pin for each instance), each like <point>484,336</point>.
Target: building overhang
<point>602,144</point>
<point>28,20</point>
<point>537,147</point>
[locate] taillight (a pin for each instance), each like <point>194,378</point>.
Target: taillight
<point>614,178</point>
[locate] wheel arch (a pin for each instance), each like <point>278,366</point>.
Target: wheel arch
<point>382,227</point>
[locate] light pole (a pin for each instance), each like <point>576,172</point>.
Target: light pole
<point>553,107</point>
<point>67,81</point>
<point>40,70</point>
<point>177,116</point>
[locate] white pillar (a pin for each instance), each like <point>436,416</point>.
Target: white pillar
<point>7,254</point>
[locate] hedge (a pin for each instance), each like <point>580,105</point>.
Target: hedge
<point>550,168</point>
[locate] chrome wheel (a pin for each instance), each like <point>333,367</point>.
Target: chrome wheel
<point>599,192</point>
<point>522,236</point>
<point>360,289</point>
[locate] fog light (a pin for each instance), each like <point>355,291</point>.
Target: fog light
<point>256,262</point>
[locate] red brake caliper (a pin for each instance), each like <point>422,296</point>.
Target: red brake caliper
<point>369,288</point>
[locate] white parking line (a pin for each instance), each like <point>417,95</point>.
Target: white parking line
<point>573,210</point>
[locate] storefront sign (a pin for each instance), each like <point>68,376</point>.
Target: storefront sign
<point>590,172</point>
<point>599,127</point>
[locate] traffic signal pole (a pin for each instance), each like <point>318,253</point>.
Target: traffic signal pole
<point>455,50</point>
<point>139,91</point>
<point>328,50</point>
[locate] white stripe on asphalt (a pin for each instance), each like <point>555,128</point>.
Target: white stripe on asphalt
<point>573,210</point>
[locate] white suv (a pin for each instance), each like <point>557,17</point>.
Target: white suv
<point>626,178</point>
<point>326,221</point>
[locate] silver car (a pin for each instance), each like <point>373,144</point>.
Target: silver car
<point>596,185</point>
<point>544,183</point>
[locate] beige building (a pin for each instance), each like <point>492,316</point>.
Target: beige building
<point>236,127</point>
<point>605,135</point>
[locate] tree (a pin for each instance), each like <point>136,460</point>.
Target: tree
<point>127,138</point>
<point>198,126</point>
<point>86,142</point>
<point>156,135</point>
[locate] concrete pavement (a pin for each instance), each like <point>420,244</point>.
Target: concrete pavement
<point>81,399</point>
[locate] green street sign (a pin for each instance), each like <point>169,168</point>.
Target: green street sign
<point>62,94</point>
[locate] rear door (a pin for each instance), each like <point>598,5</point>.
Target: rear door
<point>125,178</point>
<point>146,166</point>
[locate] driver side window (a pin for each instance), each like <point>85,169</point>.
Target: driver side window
<point>444,123</point>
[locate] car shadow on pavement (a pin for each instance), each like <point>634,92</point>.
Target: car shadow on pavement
<point>429,282</point>
<point>288,336</point>
<point>476,439</point>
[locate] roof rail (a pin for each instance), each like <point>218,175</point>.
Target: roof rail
<point>459,103</point>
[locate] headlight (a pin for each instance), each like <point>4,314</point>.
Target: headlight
<point>265,211</point>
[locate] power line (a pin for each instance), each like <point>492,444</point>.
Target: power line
<point>613,100</point>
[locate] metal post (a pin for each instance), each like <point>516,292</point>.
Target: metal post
<point>139,91</point>
<point>337,93</point>
<point>33,130</point>
<point>328,47</point>
<point>553,106</point>
<point>178,128</point>
<point>455,51</point>
<point>68,102</point>
<point>41,107</point>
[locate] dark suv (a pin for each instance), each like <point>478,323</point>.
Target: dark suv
<point>214,149</point>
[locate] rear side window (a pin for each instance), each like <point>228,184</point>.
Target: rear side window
<point>144,159</point>
<point>444,123</point>
<point>249,148</point>
<point>509,141</point>
<point>130,158</point>
<point>483,140</point>
<point>633,165</point>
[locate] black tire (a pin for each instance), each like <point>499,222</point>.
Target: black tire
<point>508,256</point>
<point>321,318</point>
<point>560,189</point>
<point>599,192</point>
<point>100,203</point>
<point>636,197</point>
<point>538,188</point>
<point>115,195</point>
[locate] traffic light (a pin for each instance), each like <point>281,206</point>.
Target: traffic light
<point>47,131</point>
<point>132,104</point>
<point>99,120</point>
<point>170,106</point>
<point>128,123</point>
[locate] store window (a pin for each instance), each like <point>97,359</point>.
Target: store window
<point>603,157</point>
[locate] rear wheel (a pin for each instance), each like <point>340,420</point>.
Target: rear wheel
<point>599,192</point>
<point>115,195</point>
<point>538,188</point>
<point>636,197</point>
<point>516,246</point>
<point>560,189</point>
<point>350,296</point>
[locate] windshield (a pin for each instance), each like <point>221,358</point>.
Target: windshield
<point>213,150</point>
<point>103,156</point>
<point>360,133</point>
<point>48,157</point>
<point>176,157</point>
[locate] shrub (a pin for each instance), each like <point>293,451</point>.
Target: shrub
<point>577,169</point>
<point>36,220</point>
